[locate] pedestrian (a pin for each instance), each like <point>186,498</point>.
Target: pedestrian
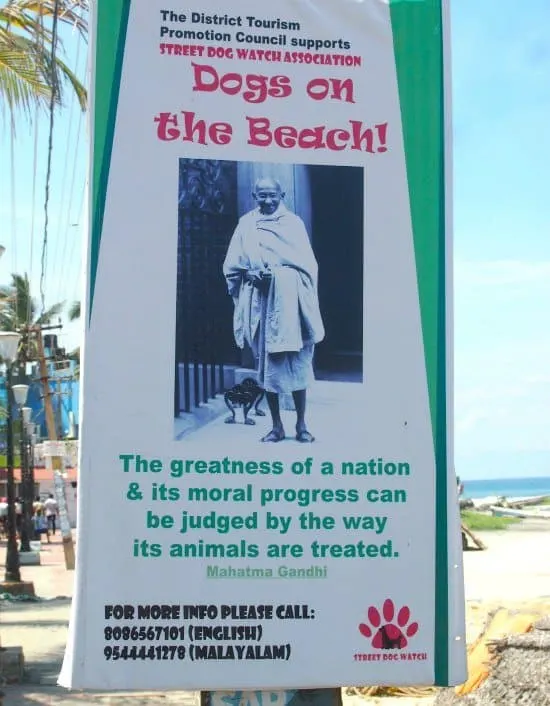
<point>3,517</point>
<point>40,524</point>
<point>18,515</point>
<point>50,508</point>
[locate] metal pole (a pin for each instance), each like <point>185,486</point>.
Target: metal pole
<point>59,410</point>
<point>27,494</point>
<point>32,489</point>
<point>12,573</point>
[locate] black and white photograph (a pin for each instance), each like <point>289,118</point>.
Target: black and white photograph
<point>269,313</point>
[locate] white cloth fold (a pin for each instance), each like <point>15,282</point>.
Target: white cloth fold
<point>277,243</point>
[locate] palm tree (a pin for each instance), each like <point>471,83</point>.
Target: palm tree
<point>28,76</point>
<point>19,311</point>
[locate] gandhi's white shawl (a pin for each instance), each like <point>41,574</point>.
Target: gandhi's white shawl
<point>278,242</point>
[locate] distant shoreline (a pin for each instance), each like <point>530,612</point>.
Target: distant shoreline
<point>510,488</point>
<point>510,501</point>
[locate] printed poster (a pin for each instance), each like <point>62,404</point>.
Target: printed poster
<point>268,497</point>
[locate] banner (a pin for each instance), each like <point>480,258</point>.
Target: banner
<point>267,492</point>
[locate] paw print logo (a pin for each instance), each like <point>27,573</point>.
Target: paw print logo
<point>387,631</point>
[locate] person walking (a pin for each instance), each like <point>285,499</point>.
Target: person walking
<point>40,524</point>
<point>3,517</point>
<point>50,509</point>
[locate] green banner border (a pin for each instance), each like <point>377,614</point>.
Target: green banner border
<point>418,45</point>
<point>110,39</point>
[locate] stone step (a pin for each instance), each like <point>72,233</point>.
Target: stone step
<point>17,588</point>
<point>12,665</point>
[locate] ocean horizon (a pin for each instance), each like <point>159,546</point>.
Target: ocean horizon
<point>507,487</point>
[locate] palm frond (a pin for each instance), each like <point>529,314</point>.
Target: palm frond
<point>23,306</point>
<point>7,321</point>
<point>18,308</point>
<point>27,74</point>
<point>5,292</point>
<point>74,311</point>
<point>49,314</point>
<point>22,83</point>
<point>59,76</point>
<point>27,15</point>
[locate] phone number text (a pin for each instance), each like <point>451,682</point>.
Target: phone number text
<point>153,633</point>
<point>154,652</point>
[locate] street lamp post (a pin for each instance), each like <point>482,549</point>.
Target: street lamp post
<point>20,393</point>
<point>9,343</point>
<point>28,428</point>
<point>30,436</point>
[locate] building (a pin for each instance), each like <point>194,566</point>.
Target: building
<point>64,387</point>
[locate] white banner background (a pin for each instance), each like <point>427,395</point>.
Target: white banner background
<point>129,378</point>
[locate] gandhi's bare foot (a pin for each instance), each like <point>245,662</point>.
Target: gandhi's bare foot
<point>276,434</point>
<point>303,436</point>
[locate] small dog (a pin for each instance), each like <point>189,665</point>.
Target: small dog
<point>247,394</point>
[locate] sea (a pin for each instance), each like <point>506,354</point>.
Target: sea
<point>507,487</point>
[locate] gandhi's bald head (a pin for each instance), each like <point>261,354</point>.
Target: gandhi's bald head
<point>268,194</point>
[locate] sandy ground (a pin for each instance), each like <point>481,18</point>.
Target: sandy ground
<point>514,571</point>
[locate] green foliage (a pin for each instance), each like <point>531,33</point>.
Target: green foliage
<point>479,521</point>
<point>74,311</point>
<point>18,310</point>
<point>19,306</point>
<point>28,77</point>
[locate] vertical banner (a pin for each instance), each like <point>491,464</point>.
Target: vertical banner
<point>267,493</point>
<point>53,449</point>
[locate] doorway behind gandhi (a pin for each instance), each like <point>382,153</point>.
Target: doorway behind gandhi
<point>330,201</point>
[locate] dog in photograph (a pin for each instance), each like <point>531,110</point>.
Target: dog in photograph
<point>246,395</point>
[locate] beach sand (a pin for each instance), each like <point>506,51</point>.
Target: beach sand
<point>513,572</point>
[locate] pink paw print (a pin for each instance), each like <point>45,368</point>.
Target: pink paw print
<point>386,633</point>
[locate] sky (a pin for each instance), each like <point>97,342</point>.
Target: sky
<point>24,159</point>
<point>500,58</point>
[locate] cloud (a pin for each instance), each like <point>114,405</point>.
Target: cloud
<point>469,420</point>
<point>503,412</point>
<point>501,273</point>
<point>539,379</point>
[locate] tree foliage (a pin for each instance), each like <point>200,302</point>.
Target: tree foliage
<point>19,311</point>
<point>74,311</point>
<point>29,72</point>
